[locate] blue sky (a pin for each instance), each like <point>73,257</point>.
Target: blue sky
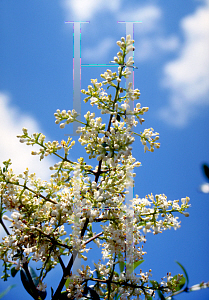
<point>172,46</point>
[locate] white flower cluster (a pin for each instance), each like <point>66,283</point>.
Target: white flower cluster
<point>69,116</point>
<point>156,213</point>
<point>115,143</point>
<point>199,286</point>
<point>46,148</point>
<point>76,286</point>
<point>147,137</point>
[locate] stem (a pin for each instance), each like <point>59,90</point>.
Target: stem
<point>93,238</point>
<point>63,158</point>
<point>176,293</point>
<point>54,242</point>
<point>32,191</point>
<point>110,279</point>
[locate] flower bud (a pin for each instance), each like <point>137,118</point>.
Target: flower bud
<point>62,125</point>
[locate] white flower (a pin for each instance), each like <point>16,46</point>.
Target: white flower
<point>196,287</point>
<point>41,286</point>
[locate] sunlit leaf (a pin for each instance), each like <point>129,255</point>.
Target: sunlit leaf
<point>67,282</point>
<point>181,283</point>
<point>121,263</point>
<point>132,267</point>
<point>185,273</point>
<point>33,276</point>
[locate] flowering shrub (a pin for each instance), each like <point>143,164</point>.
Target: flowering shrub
<point>79,195</point>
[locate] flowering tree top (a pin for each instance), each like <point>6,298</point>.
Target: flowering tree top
<point>79,195</point>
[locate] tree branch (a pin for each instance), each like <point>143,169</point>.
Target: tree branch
<point>93,237</point>
<point>69,266</point>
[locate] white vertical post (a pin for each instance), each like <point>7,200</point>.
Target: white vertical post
<point>129,196</point>
<point>76,70</point>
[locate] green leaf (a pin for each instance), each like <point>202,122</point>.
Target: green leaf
<point>7,290</point>
<point>180,284</point>
<point>33,276</point>
<point>185,273</point>
<point>36,140</point>
<point>118,117</point>
<point>135,265</point>
<point>154,283</point>
<point>117,297</point>
<point>121,263</point>
<point>160,295</point>
<point>25,282</point>
<point>67,282</point>
<point>27,285</point>
<point>13,271</point>
<point>104,144</point>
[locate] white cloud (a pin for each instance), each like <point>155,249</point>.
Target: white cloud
<point>100,51</point>
<point>84,10</point>
<point>12,122</point>
<point>187,77</point>
<point>170,43</point>
<point>150,16</point>
<point>152,47</point>
<point>149,36</point>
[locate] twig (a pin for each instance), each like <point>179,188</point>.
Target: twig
<point>53,240</point>
<point>4,226</point>
<point>93,237</point>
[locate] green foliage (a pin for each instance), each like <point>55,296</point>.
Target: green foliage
<point>27,284</point>
<point>185,273</point>
<point>14,271</point>
<point>160,295</point>
<point>6,268</point>
<point>180,284</point>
